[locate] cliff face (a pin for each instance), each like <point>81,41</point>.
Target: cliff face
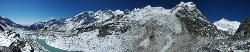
<point>244,29</point>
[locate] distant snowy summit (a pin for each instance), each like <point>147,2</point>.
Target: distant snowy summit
<point>226,25</point>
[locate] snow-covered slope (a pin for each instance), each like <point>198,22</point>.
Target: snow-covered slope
<point>226,25</point>
<point>16,38</point>
<point>7,38</point>
<point>148,29</point>
<point>12,42</point>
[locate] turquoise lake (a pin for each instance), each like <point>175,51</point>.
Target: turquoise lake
<point>48,47</point>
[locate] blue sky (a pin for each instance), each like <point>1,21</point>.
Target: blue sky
<point>30,11</point>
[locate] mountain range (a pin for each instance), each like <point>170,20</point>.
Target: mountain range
<point>182,28</point>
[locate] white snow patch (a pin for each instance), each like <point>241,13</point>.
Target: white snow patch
<point>117,12</point>
<point>145,43</point>
<point>170,41</point>
<point>27,48</point>
<point>181,6</point>
<point>238,51</point>
<point>6,40</point>
<point>189,4</point>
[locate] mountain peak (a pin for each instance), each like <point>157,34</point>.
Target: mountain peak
<point>151,8</point>
<point>85,12</point>
<point>226,25</point>
<point>187,4</point>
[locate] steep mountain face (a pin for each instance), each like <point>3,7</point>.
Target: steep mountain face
<point>83,19</point>
<point>5,23</point>
<point>203,35</point>
<point>194,21</point>
<point>244,29</point>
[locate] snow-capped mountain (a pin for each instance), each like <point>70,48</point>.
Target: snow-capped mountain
<point>11,40</point>
<point>226,25</point>
<point>151,29</point>
<point>193,19</point>
<point>7,24</point>
<point>53,24</point>
<point>182,28</point>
